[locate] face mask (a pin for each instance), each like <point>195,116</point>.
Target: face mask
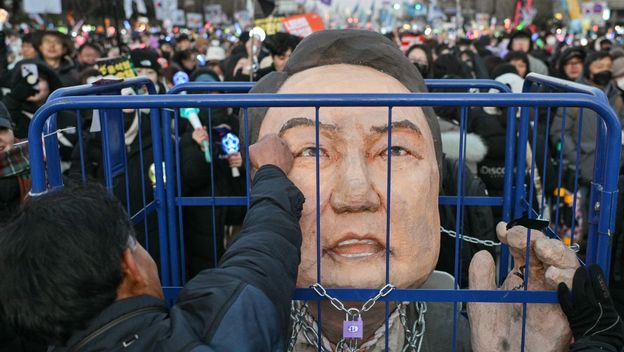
<point>602,78</point>
<point>620,84</point>
<point>422,68</point>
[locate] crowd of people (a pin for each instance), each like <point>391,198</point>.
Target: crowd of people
<point>162,56</point>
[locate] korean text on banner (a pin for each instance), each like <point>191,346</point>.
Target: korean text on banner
<point>303,25</point>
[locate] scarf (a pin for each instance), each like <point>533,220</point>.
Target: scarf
<point>15,163</point>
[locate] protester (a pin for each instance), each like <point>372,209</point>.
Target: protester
<point>522,41</point>
<point>107,295</point>
<point>29,45</point>
<point>420,56</point>
<point>570,65</point>
<point>186,60</point>
<point>280,46</point>
<point>520,61</point>
<point>145,62</point>
<point>55,49</point>
<point>88,54</point>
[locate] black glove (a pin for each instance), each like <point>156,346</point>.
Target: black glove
<point>23,90</point>
<point>590,309</point>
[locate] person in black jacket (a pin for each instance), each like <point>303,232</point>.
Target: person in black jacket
<point>55,48</point>
<point>73,273</point>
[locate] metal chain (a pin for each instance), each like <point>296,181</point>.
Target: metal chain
<point>300,324</point>
<point>298,316</point>
<point>487,243</point>
<point>352,312</point>
<point>416,334</point>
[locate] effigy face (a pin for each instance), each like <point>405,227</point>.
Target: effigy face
<point>353,169</point>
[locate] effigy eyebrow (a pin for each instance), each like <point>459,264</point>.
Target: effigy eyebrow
<point>304,121</point>
<point>397,124</point>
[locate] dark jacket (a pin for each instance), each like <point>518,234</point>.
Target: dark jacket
<point>243,305</point>
<point>67,72</point>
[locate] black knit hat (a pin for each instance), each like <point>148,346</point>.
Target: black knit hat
<point>352,47</point>
<point>145,58</point>
<point>571,53</point>
<point>520,34</point>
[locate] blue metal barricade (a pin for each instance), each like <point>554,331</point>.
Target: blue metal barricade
<point>515,189</point>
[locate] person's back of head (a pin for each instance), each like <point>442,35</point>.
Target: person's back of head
<point>60,261</point>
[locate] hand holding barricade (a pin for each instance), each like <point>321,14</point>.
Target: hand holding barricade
<point>497,327</point>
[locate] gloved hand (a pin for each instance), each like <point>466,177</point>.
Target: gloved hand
<point>590,310</point>
<point>23,90</point>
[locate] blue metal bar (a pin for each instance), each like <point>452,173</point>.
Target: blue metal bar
<point>169,178</point>
<point>244,87</point>
<point>459,210</point>
<point>423,295</point>
<point>560,84</point>
<point>388,195</point>
<point>388,201</point>
<point>510,145</point>
<point>530,215</point>
<point>212,192</point>
<point>318,216</point>
<point>225,87</point>
<point>242,201</point>
<point>247,162</point>
<point>161,202</point>
<point>576,175</point>
<point>432,295</point>
<point>103,88</point>
<point>334,100</point>
<point>83,172</point>
<point>211,201</point>
<point>560,172</point>
<point>176,126</point>
<point>545,165</point>
<point>142,169</point>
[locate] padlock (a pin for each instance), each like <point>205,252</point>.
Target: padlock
<point>353,329</point>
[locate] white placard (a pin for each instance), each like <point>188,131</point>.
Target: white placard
<point>43,6</point>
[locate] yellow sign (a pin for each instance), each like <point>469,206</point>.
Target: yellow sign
<point>270,25</point>
<point>118,66</point>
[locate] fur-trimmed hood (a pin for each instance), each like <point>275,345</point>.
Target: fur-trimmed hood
<point>476,149</point>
